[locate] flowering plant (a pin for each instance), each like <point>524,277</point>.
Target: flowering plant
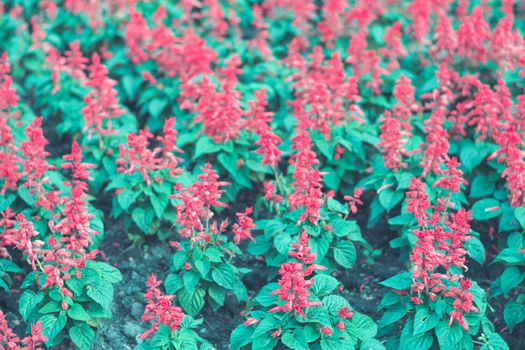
<point>439,303</point>
<point>306,207</point>
<point>202,268</point>
<point>302,311</point>
<point>171,328</point>
<point>145,176</point>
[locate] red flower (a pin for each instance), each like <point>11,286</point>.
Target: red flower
<point>294,289</point>
<point>251,321</point>
<point>170,161</point>
<point>326,330</point>
<point>35,164</point>
<point>393,139</point>
<point>472,34</point>
<point>417,201</point>
<point>269,192</point>
<point>242,229</point>
<point>197,201</point>
<point>436,145</point>
<point>102,104</point>
<point>137,157</point>
<point>394,48</point>
<point>74,227</point>
<point>308,182</point>
<point>136,35</point>
<point>259,120</point>
<point>159,309</point>
<point>512,153</point>
<point>487,110</point>
<point>405,101</point>
<point>301,251</point>
<point>452,177</point>
<point>355,200</point>
<point>19,233</point>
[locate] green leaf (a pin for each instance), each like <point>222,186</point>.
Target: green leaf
<point>481,187</point>
<point>476,250</point>
<point>52,326</point>
<point>230,163</point>
<point>336,206</point>
<point>336,344</point>
<point>173,283</point>
<point>347,228</point>
<point>424,320</point>
<point>448,337</point>
<point>159,204</point>
<point>156,106</point>
<point>393,314</point>
<point>203,266</point>
<point>28,302</point>
<point>101,291</point>
<point>126,198</point>
<point>224,276</point>
<point>130,85</point>
<point>345,254</point>
<point>267,324</point>
<point>82,336</point>
<point>324,284</point>
<point>143,219</point>
<point>410,341</point>
<point>179,259</point>
<point>295,340</point>
<point>514,314</point>
<point>470,156</point>
<point>192,301</point>
<point>240,337</point>
<point>190,279</point>
<point>218,294</point>
<point>519,212</point>
<point>510,256</point>
<point>77,312</point>
<point>362,326</point>
<point>333,303</point>
<point>511,277</point>
<point>205,145</point>
<point>282,242</point>
<point>264,297</point>
<point>9,266</point>
<point>485,209</point>
<point>401,281</point>
<point>50,307</point>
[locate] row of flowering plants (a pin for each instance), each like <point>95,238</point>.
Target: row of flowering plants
<point>276,139</point>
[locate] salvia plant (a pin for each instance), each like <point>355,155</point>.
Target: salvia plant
<point>336,174</point>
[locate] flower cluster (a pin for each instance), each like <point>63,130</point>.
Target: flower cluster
<point>101,104</point>
<point>512,153</point>
<point>186,56</point>
<point>242,229</point>
<point>308,181</point>
<point>440,245</point>
<point>74,228</point>
<point>10,341</point>
<point>393,140</point>
<point>218,107</point>
<point>194,212</point>
<point>9,160</point>
<point>324,95</point>
<point>259,120</point>
<point>294,287</point>
<point>136,156</point>
<point>159,309</point>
